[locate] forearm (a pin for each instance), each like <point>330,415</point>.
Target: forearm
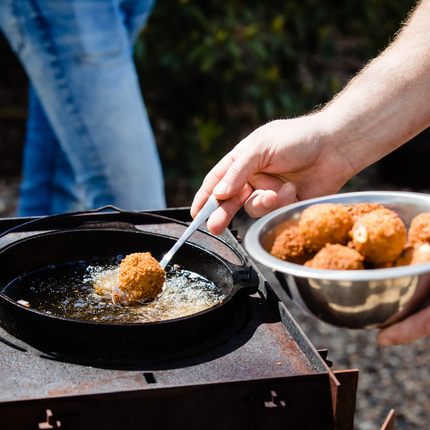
<point>388,102</point>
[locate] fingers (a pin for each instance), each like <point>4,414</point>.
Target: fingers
<point>261,202</point>
<point>245,164</point>
<point>235,178</point>
<point>210,181</point>
<point>228,178</point>
<point>221,218</point>
<point>412,328</point>
<point>270,193</point>
<point>199,200</point>
<point>262,194</point>
<point>256,202</point>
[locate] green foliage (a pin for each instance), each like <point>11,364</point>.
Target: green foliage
<point>212,71</point>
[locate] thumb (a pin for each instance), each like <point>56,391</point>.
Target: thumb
<point>412,328</point>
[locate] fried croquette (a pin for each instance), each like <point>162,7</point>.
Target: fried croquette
<point>290,246</point>
<point>414,254</point>
<point>421,253</point>
<point>379,236</point>
<point>325,223</point>
<point>374,236</point>
<point>405,257</point>
<point>419,231</point>
<point>140,278</point>
<point>337,257</point>
<point>359,209</point>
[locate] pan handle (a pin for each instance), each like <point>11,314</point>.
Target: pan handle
<point>245,276</point>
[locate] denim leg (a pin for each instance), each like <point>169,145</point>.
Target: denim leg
<point>78,57</point>
<point>48,183</point>
<point>136,13</point>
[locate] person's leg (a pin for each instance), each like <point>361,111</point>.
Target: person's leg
<point>48,184</point>
<point>79,59</point>
<point>136,14</point>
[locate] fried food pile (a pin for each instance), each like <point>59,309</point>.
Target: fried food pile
<point>356,237</point>
<point>140,279</point>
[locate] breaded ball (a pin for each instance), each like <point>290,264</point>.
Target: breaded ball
<point>337,257</point>
<point>414,254</point>
<point>290,246</point>
<point>359,209</point>
<point>325,223</point>
<point>405,257</point>
<point>419,231</point>
<point>140,277</point>
<point>421,253</point>
<point>379,236</point>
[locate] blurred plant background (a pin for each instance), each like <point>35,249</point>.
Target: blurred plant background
<point>213,71</point>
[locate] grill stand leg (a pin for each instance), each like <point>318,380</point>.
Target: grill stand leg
<point>344,394</point>
<point>390,421</point>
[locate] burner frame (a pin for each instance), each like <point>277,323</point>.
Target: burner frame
<point>231,385</point>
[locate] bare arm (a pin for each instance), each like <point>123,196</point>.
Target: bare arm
<point>381,108</point>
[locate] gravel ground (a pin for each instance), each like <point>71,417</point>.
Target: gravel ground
<point>390,378</point>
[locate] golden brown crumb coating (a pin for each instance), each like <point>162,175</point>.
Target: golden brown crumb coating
<point>140,277</point>
<point>414,254</point>
<point>325,223</point>
<point>421,253</point>
<point>359,209</point>
<point>290,246</point>
<point>379,236</point>
<point>405,257</point>
<point>419,231</point>
<point>337,257</point>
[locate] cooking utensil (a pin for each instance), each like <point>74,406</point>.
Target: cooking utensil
<point>119,297</point>
<point>206,211</point>
<point>347,298</point>
<point>91,341</point>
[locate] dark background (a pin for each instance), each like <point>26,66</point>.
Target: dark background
<point>211,72</point>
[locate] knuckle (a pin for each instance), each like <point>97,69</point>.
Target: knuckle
<point>234,171</point>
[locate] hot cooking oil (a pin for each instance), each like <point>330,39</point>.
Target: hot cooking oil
<point>83,291</point>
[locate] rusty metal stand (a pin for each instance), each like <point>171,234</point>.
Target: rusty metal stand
<point>390,421</point>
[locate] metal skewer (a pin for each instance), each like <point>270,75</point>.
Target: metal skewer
<point>201,217</point>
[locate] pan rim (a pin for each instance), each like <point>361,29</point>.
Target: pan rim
<point>229,266</point>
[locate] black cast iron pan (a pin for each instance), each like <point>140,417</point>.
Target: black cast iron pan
<point>83,340</point>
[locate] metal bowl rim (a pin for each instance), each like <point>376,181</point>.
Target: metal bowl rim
<point>257,252</point>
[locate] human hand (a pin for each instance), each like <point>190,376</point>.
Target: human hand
<point>412,328</point>
<point>278,164</point>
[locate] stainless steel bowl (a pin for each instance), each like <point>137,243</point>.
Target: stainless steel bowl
<point>347,298</point>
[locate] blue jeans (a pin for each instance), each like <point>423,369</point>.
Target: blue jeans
<point>89,142</point>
